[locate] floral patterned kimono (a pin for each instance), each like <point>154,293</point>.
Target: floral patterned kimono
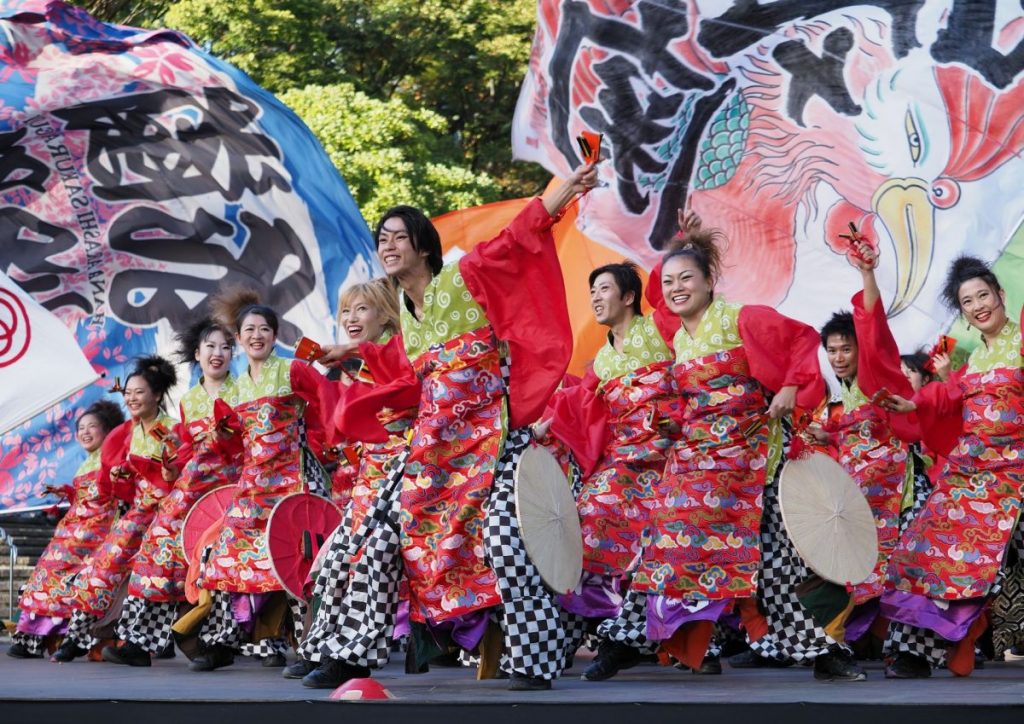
<point>97,583</point>
<point>157,583</point>
<point>948,563</point>
<point>490,347</point>
<point>378,460</point>
<point>283,433</point>
<point>45,599</point>
<point>702,550</point>
<point>618,422</point>
<point>279,413</point>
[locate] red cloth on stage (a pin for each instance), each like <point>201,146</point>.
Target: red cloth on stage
<point>940,413</point>
<point>395,386</point>
<point>878,366</point>
<point>666,322</point>
<point>517,279</point>
<point>782,352</point>
<point>580,420</point>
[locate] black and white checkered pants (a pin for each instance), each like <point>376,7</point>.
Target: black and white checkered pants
<point>32,643</point>
<point>80,630</point>
<point>535,643</point>
<point>792,631</point>
<point>147,624</point>
<point>922,488</point>
<point>221,629</point>
<point>355,623</point>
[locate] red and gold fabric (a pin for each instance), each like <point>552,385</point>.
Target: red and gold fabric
<point>130,448</point>
<point>704,538</point>
<point>275,412</point>
<point>159,569</point>
<point>79,533</point>
<point>955,546</point>
<point>627,403</point>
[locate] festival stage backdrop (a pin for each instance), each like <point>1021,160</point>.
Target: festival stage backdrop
<point>138,173</point>
<point>780,122</point>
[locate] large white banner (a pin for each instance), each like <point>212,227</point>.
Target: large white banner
<point>40,361</point>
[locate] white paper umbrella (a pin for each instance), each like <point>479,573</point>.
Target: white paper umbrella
<point>828,519</point>
<point>548,520</point>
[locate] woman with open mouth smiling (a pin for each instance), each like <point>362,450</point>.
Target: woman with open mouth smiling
<point>199,462</point>
<point>369,314</point>
<point>740,371</point>
<point>44,599</point>
<point>278,403</point>
<point>131,465</point>
<point>951,560</point>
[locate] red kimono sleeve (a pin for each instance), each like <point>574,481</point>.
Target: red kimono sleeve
<point>320,396</point>
<point>517,280</point>
<point>579,419</point>
<point>395,386</point>
<point>666,322</point>
<point>782,352</point>
<point>114,453</point>
<point>878,365</point>
<point>230,447</point>
<point>185,447</point>
<point>940,412</point>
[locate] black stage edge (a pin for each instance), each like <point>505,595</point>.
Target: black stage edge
<point>38,692</point>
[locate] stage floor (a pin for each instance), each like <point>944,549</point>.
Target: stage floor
<point>38,691</point>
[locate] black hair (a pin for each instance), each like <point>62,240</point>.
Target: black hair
<point>190,338</point>
<point>916,361</point>
<point>108,413</point>
<point>627,279</point>
<point>158,373</point>
<point>841,323</point>
<point>422,234</point>
<point>232,305</point>
<point>963,269</point>
<point>701,246</point>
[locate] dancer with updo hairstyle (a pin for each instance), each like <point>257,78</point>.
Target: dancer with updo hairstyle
<point>45,599</point>
<point>279,404</point>
<point>951,561</point>
<point>131,465</point>
<point>201,461</point>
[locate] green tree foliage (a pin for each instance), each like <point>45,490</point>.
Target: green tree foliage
<point>389,152</point>
<point>413,99</point>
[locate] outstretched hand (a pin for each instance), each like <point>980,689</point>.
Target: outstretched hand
<point>582,180</point>
<point>689,221</point>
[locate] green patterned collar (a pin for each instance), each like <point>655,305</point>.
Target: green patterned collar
<point>1003,351</point>
<point>641,346</point>
<point>718,331</point>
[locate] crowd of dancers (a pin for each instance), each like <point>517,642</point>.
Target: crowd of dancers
<point>673,443</point>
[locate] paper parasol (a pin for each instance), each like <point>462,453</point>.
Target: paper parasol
<point>548,520</point>
<point>299,526</point>
<point>828,519</point>
<point>207,511</point>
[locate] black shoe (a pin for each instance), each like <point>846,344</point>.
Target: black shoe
<point>67,651</point>
<point>521,682</point>
<point>215,657</point>
<point>298,670</point>
<point>127,654</point>
<point>837,665</point>
<point>331,674</point>
<point>750,659</point>
<point>20,651</point>
<point>167,652</point>
<point>277,661</point>
<point>612,657</point>
<point>908,666</point>
<point>710,666</point>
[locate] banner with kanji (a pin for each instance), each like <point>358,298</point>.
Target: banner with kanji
<point>137,175</point>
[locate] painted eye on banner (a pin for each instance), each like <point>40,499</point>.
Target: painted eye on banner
<point>913,137</point>
<point>945,192</point>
